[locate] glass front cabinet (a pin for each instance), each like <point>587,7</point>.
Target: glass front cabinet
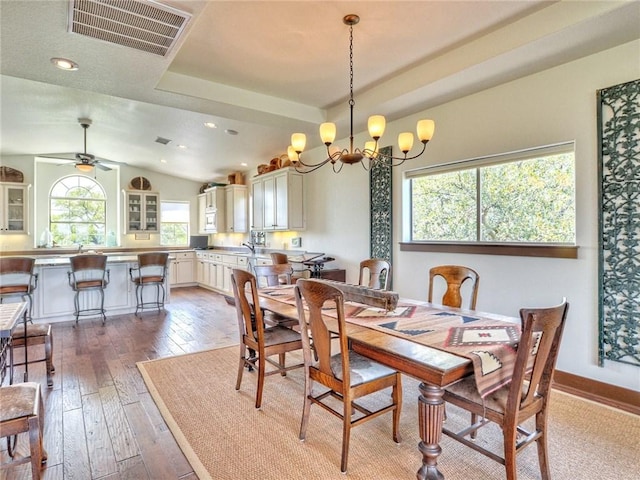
<point>13,208</point>
<point>142,212</point>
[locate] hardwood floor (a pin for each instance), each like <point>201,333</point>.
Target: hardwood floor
<point>100,421</point>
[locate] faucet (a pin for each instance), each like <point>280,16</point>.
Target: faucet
<point>251,247</point>
<point>80,248</point>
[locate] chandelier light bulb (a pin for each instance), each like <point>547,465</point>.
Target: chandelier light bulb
<point>376,126</point>
<point>293,156</point>
<point>298,142</point>
<point>405,142</point>
<point>328,133</point>
<point>425,130</point>
<point>371,149</point>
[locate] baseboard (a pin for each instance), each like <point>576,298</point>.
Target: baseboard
<point>611,395</point>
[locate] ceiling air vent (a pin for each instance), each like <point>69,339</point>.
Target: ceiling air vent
<point>140,24</point>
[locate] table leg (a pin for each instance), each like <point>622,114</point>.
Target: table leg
<point>430,418</point>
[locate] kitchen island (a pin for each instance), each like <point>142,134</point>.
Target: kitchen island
<point>53,300</point>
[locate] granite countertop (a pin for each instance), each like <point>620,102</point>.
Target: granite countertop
<point>52,260</point>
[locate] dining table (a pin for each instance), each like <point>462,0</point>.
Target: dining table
<point>435,344</point>
<point>11,314</point>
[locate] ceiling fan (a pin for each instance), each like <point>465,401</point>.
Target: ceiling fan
<point>85,162</point>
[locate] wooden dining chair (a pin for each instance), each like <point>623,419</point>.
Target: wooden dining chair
<point>277,258</point>
<point>527,394</point>
<point>348,375</point>
<point>375,273</point>
<point>455,276</point>
<point>256,337</point>
<point>17,279</point>
<point>23,411</point>
<point>272,275</point>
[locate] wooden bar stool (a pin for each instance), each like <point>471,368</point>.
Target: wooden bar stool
<point>18,280</point>
<point>89,273</point>
<point>22,411</point>
<point>152,270</point>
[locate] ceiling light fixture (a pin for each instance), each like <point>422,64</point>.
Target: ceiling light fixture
<point>84,167</point>
<point>210,125</point>
<point>65,64</point>
<point>376,126</point>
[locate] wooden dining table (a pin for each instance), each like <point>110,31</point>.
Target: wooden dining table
<point>436,363</point>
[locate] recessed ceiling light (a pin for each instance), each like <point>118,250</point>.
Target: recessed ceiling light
<point>182,147</point>
<point>229,131</point>
<point>64,64</point>
<point>162,160</point>
<point>210,125</point>
<point>243,164</point>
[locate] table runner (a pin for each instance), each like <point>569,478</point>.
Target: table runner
<point>489,343</point>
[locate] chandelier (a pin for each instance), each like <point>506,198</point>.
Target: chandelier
<point>376,126</point>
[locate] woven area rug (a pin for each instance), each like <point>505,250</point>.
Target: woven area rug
<point>224,437</point>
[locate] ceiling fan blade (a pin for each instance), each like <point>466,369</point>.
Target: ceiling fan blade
<point>101,166</point>
<point>71,157</point>
<point>111,162</point>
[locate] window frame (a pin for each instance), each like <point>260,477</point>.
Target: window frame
<point>555,250</point>
<point>102,200</point>
<point>188,222</point>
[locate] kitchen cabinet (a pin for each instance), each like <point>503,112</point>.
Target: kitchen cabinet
<point>142,212</point>
<point>14,201</point>
<point>278,201</point>
<point>213,218</point>
<point>214,270</point>
<point>202,208</point>
<point>181,269</point>
<point>236,208</point>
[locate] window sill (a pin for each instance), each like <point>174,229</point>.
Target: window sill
<point>520,250</point>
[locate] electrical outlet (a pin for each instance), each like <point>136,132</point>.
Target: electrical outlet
<point>296,242</point>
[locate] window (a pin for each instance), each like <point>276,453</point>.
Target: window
<point>522,197</point>
<point>77,212</point>
<point>174,223</point>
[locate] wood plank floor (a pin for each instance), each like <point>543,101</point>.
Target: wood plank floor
<point>101,422</point>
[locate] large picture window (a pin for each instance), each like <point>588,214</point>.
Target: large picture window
<point>524,197</point>
<point>174,223</point>
<point>77,212</point>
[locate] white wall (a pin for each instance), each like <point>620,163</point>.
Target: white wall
<point>549,107</point>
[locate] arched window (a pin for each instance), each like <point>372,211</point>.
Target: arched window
<point>78,212</point>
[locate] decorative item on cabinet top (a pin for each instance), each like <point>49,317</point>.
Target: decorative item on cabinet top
<point>139,183</point>
<point>8,174</point>
<point>274,164</point>
<point>211,185</point>
<point>236,178</point>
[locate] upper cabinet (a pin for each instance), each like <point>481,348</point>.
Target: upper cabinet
<point>13,208</point>
<point>236,208</point>
<point>142,212</point>
<point>278,201</point>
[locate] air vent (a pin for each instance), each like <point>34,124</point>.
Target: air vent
<point>143,25</point>
<point>163,141</point>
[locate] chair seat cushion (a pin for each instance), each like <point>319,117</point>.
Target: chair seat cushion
<point>467,389</point>
<point>363,369</point>
<point>276,335</point>
<point>90,284</point>
<point>14,289</point>
<point>148,279</point>
<point>33,330</point>
<point>18,401</point>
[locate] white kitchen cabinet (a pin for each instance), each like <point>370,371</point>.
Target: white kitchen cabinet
<point>278,201</point>
<point>202,267</point>
<point>236,208</point>
<point>14,207</point>
<point>202,208</point>
<point>142,212</point>
<point>214,210</point>
<point>181,269</point>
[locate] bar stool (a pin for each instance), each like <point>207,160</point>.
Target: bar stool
<point>152,270</point>
<point>89,273</point>
<point>18,280</point>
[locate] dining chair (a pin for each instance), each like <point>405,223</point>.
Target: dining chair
<point>348,375</point>
<point>256,337</point>
<point>455,276</point>
<point>272,275</point>
<point>151,271</point>
<point>526,395</point>
<point>22,411</point>
<point>17,279</point>
<point>375,273</point>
